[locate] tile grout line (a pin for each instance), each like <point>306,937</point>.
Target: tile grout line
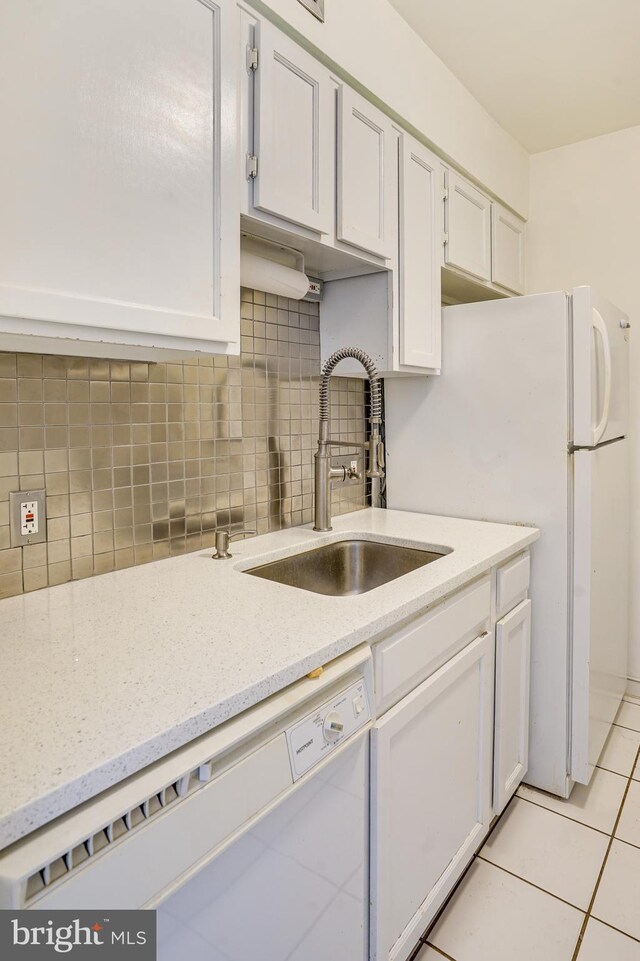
<point>542,891</point>
<point>587,914</point>
<point>531,884</point>
<point>442,953</point>
<point>614,928</point>
<point>566,816</point>
<point>625,728</point>
<point>609,771</point>
<point>604,863</point>
<point>440,912</point>
<point>629,844</point>
<point>427,944</point>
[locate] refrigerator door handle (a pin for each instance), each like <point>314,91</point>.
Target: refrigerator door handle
<point>601,328</point>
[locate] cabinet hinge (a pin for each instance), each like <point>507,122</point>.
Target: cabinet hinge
<point>445,193</point>
<point>252,58</point>
<point>252,167</point>
<point>445,239</point>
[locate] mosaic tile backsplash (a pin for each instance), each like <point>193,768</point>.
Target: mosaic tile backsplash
<point>142,461</point>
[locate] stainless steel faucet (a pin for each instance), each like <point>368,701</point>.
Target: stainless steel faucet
<point>324,472</point>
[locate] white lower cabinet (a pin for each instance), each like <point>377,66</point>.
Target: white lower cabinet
<point>511,736</point>
<point>430,797</point>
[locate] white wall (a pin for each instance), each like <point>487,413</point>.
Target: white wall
<point>371,41</point>
<point>585,228</point>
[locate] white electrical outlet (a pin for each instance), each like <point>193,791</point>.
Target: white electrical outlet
<point>27,515</point>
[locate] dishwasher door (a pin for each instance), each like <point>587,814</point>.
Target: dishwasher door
<point>294,888</point>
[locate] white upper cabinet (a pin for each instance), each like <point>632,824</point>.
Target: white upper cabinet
<point>395,315</point>
<point>419,255</point>
<point>507,236</point>
<point>365,175</point>
<point>119,187</point>
<point>468,227</point>
<point>293,145</point>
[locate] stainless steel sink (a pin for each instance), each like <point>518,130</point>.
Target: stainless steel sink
<point>346,567</point>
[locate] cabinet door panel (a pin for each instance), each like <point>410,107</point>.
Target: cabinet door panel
<point>468,227</point>
<point>413,653</point>
<point>507,238</point>
<point>512,583</point>
<point>420,215</point>
<point>511,747</point>
<point>431,795</point>
<point>293,129</point>
<point>366,176</point>
<point>110,191</point>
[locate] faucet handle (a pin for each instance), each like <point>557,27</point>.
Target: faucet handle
<point>222,542</point>
<point>376,457</point>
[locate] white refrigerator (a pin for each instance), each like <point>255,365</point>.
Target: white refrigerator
<point>528,424</point>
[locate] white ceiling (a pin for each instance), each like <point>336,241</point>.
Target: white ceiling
<point>551,72</point>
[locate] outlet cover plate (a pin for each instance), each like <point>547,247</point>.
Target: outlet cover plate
<point>16,498</point>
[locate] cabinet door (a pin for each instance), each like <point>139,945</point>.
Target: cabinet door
<point>468,223</point>
<point>367,175</point>
<point>511,745</point>
<point>294,108</point>
<point>507,241</point>
<point>119,179</point>
<point>431,796</point>
<point>419,253</point>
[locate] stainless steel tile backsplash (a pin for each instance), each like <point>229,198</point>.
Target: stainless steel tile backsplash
<point>143,461</point>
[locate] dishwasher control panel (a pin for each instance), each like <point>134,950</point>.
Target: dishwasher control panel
<point>316,735</point>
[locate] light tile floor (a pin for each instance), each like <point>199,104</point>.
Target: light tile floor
<point>556,880</point>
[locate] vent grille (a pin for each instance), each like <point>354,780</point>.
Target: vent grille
<point>55,871</point>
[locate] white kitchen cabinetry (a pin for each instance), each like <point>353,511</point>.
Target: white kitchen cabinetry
<point>409,655</point>
<point>321,168</point>
<point>449,748</point>
<point>431,795</point>
<point>483,244</point>
<point>119,197</point>
<point>293,128</point>
<point>467,227</point>
<point>511,739</point>
<point>419,255</point>
<point>366,175</point>
<point>395,315</point>
<point>507,243</point>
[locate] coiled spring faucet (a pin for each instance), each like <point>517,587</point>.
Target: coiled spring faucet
<point>324,472</point>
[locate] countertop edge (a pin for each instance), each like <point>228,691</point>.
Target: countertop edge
<point>59,800</point>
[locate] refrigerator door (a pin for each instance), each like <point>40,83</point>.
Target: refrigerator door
<point>488,440</point>
<point>600,599</point>
<point>600,369</point>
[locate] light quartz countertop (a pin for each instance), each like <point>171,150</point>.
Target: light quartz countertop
<point>100,677</point>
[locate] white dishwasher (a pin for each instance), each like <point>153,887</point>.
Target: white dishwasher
<point>251,841</point>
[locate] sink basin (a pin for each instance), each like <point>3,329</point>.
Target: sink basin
<point>346,567</point>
